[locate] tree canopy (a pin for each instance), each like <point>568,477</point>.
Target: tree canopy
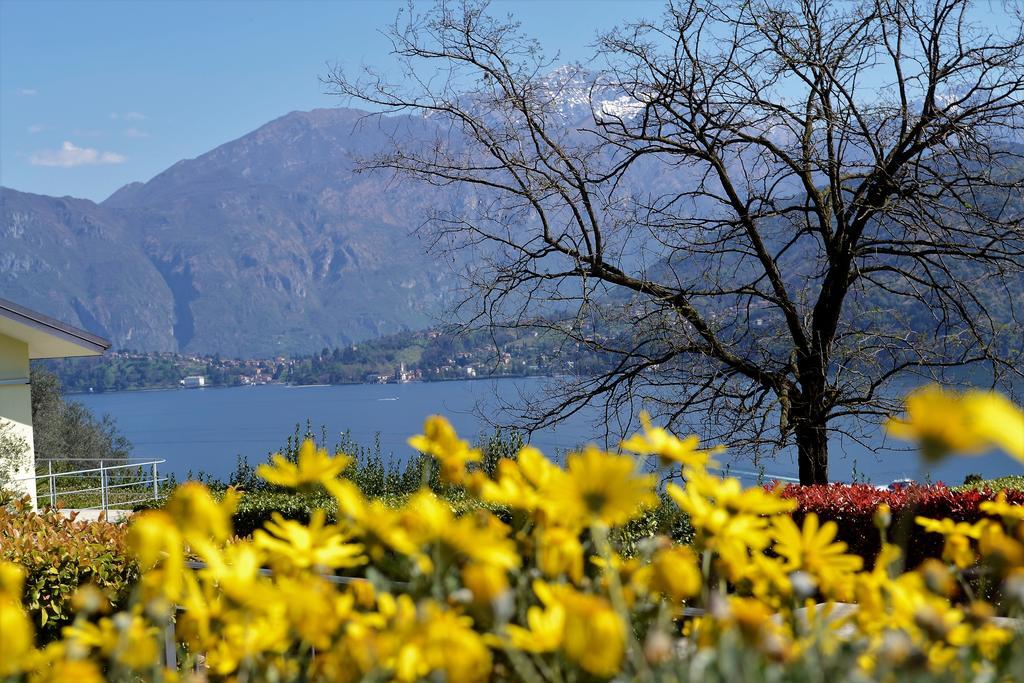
<point>781,208</point>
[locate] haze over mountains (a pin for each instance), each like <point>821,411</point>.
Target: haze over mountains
<point>268,244</point>
<point>272,244</point>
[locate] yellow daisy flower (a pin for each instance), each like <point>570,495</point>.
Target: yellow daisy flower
<point>479,537</point>
<point>520,483</point>
<point>545,632</point>
<point>440,440</point>
<point>972,422</point>
<point>16,643</point>
<point>598,487</point>
<point>958,537</point>
<point>813,549</point>
<point>669,448</point>
<point>589,620</point>
<point>314,466</point>
<point>300,546</point>
<point>1000,508</point>
<point>729,520</point>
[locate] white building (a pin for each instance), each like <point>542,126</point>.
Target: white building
<point>194,382</point>
<point>27,335</point>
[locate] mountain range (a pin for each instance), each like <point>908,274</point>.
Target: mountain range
<point>273,244</point>
<point>269,244</point>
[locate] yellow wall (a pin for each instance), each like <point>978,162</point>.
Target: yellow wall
<point>16,403</point>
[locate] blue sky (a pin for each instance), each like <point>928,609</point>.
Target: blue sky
<point>94,95</point>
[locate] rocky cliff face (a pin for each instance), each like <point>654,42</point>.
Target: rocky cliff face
<point>81,263</point>
<point>268,244</point>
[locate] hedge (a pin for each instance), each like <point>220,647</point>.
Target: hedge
<point>256,508</point>
<point>59,555</point>
<point>1010,483</point>
<point>852,508</point>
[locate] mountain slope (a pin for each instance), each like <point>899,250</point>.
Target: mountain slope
<point>268,244</point>
<point>79,262</point>
<point>272,244</point>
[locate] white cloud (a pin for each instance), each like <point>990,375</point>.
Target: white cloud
<point>70,155</point>
<point>36,128</point>
<point>28,92</point>
<point>135,133</point>
<point>128,116</point>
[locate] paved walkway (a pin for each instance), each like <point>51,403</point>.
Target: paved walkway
<point>93,515</point>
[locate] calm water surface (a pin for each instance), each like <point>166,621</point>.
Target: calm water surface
<point>205,429</point>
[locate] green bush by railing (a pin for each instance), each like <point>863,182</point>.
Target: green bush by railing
<point>60,554</point>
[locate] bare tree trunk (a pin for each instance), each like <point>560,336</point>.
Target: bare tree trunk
<point>810,423</point>
<point>812,451</point>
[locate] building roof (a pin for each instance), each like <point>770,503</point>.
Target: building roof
<point>47,337</point>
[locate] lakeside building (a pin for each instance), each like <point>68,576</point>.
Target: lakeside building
<point>403,376</point>
<point>194,382</point>
<point>27,335</point>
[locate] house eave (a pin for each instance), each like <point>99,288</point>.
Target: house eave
<point>47,337</point>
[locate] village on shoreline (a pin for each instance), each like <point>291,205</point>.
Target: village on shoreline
<point>424,356</point>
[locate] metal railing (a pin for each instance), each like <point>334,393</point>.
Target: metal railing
<point>140,479</point>
<point>759,477</point>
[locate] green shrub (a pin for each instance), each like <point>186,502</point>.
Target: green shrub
<point>1010,483</point>
<point>256,508</point>
<point>664,520</point>
<point>380,477</point>
<point>59,555</point>
<point>376,475</point>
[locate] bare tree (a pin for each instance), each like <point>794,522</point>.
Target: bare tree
<point>773,211</point>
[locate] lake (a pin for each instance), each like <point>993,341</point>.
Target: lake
<point>205,429</point>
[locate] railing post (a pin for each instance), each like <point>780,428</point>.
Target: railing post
<point>170,646</point>
<point>53,486</point>
<point>156,484</point>
<point>103,486</point>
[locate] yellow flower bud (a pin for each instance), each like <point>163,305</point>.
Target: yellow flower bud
<point>15,628</point>
<point>198,515</point>
<point>486,582</point>
<point>883,516</point>
<point>559,553</point>
<point>675,573</point>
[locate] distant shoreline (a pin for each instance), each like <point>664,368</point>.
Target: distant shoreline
<point>309,386</point>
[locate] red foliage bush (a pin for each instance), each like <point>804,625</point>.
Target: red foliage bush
<point>852,508</point>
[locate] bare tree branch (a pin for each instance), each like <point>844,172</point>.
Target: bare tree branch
<point>769,213</point>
